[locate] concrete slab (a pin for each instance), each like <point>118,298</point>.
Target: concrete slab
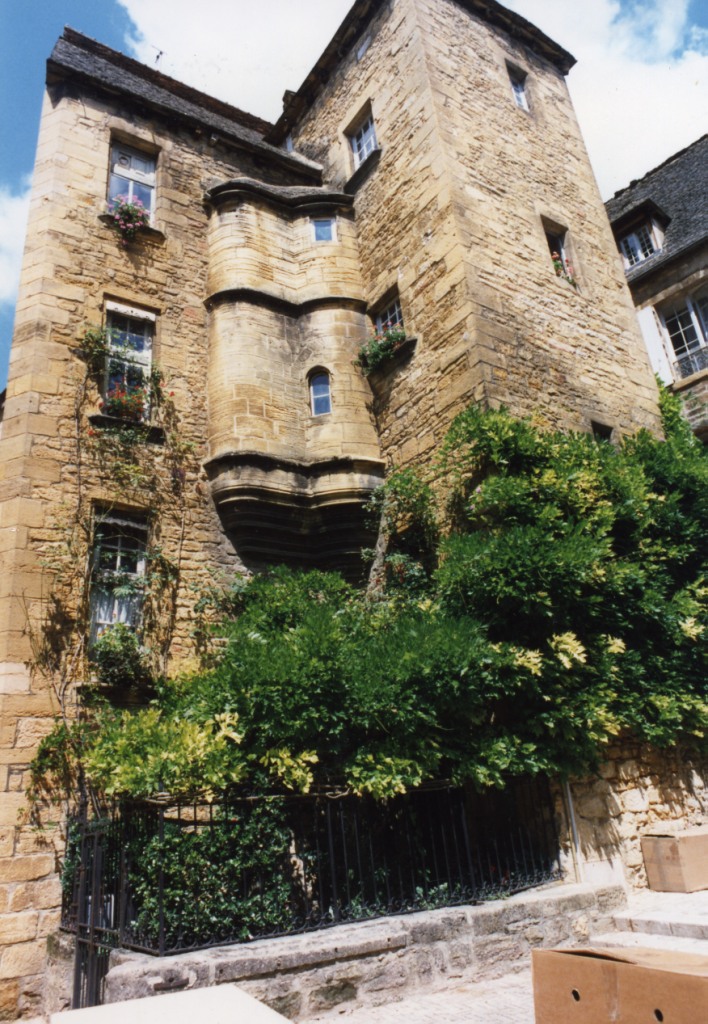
<point>224,1004</point>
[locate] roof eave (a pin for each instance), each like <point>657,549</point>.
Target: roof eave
<point>358,18</point>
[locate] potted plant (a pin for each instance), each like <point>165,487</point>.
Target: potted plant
<point>380,347</point>
<point>129,217</point>
<point>126,403</point>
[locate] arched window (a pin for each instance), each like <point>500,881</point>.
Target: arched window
<point>320,393</point>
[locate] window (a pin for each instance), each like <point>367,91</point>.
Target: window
<point>363,47</point>
<point>686,325</point>
<point>518,87</point>
<point>363,139</point>
<point>558,248</point>
<point>320,393</point>
<point>117,571</point>
<point>132,175</point>
<point>640,244</point>
<point>390,317</point>
<point>601,431</point>
<point>324,229</point>
<point>126,392</point>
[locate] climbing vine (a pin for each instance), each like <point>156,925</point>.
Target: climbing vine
<point>121,465</point>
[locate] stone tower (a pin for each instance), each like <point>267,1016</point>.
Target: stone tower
<point>428,175</point>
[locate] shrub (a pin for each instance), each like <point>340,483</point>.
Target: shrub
<point>118,657</point>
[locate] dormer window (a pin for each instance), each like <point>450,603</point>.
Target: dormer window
<point>641,243</point>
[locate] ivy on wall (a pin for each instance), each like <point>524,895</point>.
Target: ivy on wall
<point>114,464</point>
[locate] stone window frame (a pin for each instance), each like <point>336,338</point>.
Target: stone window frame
<point>561,250</point>
<point>361,136</point>
<point>519,79</point>
<point>139,362</point>
<point>331,222</point>
<point>319,374</point>
<point>144,181</point>
<point>118,556</point>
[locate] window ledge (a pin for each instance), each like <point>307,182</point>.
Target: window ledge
<point>150,234</point>
<point>363,171</point>
<point>146,431</point>
<point>403,352</point>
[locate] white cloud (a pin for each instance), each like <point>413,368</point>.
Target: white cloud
<point>243,52</point>
<point>640,87</point>
<point>13,222</point>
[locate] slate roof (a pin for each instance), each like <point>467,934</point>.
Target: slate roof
<point>678,188</point>
<point>77,56</point>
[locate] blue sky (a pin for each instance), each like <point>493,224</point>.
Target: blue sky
<point>640,87</point>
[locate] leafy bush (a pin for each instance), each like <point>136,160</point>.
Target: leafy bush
<point>558,600</point>
<point>119,658</point>
<point>223,879</point>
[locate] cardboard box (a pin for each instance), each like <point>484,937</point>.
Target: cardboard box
<point>617,986</point>
<point>679,862</point>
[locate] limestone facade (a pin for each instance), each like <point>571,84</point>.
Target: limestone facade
<point>405,170</point>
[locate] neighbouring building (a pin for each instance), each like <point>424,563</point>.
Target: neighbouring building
<point>185,402</point>
<point>661,226</point>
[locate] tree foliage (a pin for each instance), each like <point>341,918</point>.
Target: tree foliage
<point>545,593</point>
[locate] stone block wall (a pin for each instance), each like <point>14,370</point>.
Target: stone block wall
<point>29,913</point>
<point>376,962</point>
<point>454,215</point>
<point>74,264</point>
<point>636,790</point>
<point>694,395</point>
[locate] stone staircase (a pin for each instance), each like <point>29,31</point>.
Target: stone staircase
<point>660,920</point>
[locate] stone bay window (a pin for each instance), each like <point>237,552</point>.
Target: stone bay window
<point>289,485</point>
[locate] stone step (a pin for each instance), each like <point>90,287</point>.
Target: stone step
<point>634,939</point>
<point>688,925</point>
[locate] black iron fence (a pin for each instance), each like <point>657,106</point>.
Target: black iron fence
<point>162,877</point>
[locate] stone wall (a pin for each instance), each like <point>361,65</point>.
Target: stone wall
<point>694,395</point>
<point>636,790</point>
<point>453,215</point>
<point>74,263</point>
<point>376,962</point>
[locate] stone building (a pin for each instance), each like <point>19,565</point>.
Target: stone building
<point>185,401</point>
<point>661,226</point>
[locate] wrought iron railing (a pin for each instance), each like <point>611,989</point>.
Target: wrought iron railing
<point>692,362</point>
<point>162,877</point>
